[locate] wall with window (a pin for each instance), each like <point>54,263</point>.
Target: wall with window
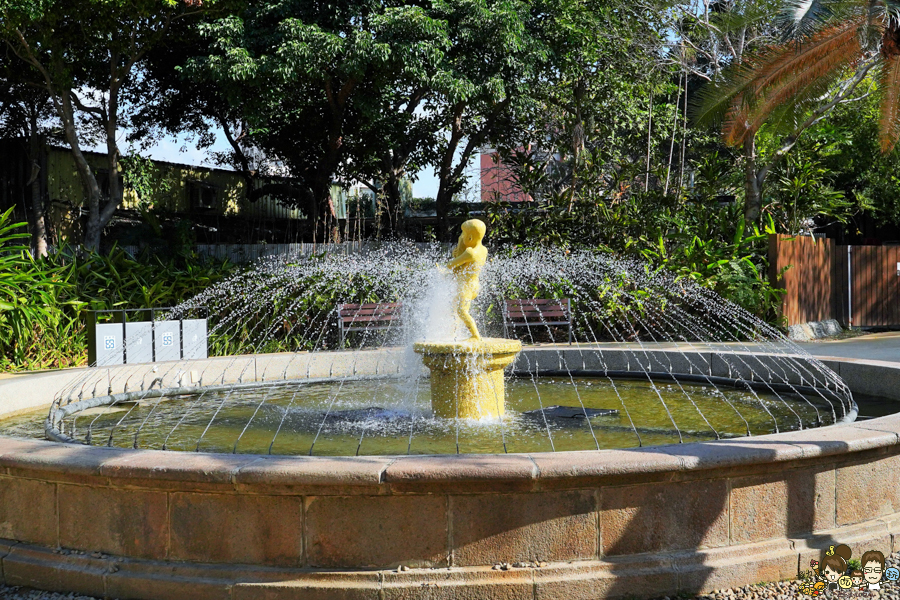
<point>174,188</point>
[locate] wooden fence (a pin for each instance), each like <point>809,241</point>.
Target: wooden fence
<point>826,281</point>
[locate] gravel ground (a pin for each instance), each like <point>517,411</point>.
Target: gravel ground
<point>780,590</point>
<point>785,590</point>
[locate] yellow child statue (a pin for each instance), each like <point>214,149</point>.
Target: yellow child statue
<point>467,375</point>
<point>469,257</point>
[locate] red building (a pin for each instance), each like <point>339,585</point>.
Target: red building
<point>497,181</point>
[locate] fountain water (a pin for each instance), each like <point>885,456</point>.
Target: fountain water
<point>656,360</point>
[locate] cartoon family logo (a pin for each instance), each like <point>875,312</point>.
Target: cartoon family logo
<point>834,575</point>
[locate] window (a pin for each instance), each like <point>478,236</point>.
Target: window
<point>201,196</point>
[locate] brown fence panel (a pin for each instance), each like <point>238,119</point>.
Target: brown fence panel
<point>839,279</point>
<point>875,285</point>
<point>892,310</point>
<point>809,280</point>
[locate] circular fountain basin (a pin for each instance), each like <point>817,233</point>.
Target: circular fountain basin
<point>393,416</point>
<point>583,524</point>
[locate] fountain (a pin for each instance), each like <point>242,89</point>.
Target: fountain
<point>467,376</point>
<point>679,444</point>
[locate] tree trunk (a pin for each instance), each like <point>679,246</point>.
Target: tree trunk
<point>116,191</point>
<point>88,180</point>
<point>447,176</point>
<point>325,217</point>
<point>391,191</point>
<point>752,187</point>
<point>443,200</point>
<point>39,233</point>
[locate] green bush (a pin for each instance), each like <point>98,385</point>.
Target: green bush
<point>43,302</point>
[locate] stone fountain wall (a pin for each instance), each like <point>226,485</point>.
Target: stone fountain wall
<point>611,523</point>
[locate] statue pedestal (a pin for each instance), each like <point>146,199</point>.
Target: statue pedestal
<point>467,377</point>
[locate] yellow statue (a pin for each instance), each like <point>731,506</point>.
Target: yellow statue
<point>467,376</point>
<point>469,257</point>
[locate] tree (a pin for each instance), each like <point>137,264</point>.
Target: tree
<point>310,81</point>
<point>26,113</point>
<point>358,91</point>
<point>591,95</point>
<point>828,48</point>
<point>171,103</point>
<point>495,55</point>
<point>84,54</point>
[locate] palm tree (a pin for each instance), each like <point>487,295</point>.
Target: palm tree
<point>827,49</point>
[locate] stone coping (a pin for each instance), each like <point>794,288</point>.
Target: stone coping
<point>156,469</point>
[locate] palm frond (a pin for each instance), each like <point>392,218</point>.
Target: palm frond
<point>734,127</point>
<point>892,10</point>
<point>714,101</point>
<point>889,84</point>
<point>800,18</point>
<point>792,94</point>
<point>783,62</point>
<point>779,73</point>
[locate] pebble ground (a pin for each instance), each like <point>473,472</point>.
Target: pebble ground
<point>779,590</point>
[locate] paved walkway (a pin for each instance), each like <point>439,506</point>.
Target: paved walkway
<point>874,346</point>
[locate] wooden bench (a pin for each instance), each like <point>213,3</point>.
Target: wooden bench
<point>368,317</point>
<point>537,312</point>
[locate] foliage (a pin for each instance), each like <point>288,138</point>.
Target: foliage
<point>28,293</point>
<point>801,191</point>
<point>847,149</point>
<point>83,54</point>
<point>735,269</point>
<point>691,232</point>
<point>43,301</point>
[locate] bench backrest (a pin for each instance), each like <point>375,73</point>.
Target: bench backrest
<point>373,316</point>
<point>540,311</point>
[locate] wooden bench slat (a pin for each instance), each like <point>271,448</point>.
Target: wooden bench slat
<point>537,300</point>
<point>370,306</point>
<point>538,313</point>
<point>369,314</point>
<point>369,319</point>
<point>388,304</point>
<point>538,318</point>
